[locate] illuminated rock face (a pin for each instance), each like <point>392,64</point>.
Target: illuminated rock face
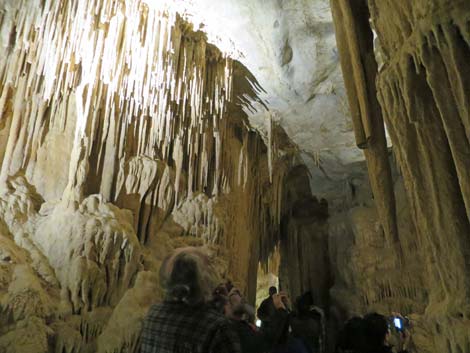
<point>122,138</point>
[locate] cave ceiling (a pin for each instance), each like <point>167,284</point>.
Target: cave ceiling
<point>290,48</point>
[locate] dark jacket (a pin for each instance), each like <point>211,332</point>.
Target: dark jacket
<point>308,330</point>
<point>266,310</point>
<point>261,341</point>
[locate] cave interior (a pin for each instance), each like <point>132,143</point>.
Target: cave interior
<point>319,145</point>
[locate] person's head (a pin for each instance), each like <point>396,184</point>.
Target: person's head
<point>187,276</point>
<point>220,290</point>
<point>234,309</point>
<point>376,330</point>
<point>235,297</point>
<point>239,309</point>
<point>272,291</point>
<point>351,337</point>
<point>229,285</point>
<point>304,303</point>
<point>220,298</point>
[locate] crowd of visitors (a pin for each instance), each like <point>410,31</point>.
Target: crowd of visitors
<point>200,316</point>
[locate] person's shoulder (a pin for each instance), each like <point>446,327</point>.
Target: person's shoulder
<point>213,315</point>
<point>155,308</point>
<point>153,311</point>
<point>213,319</point>
<point>242,328</point>
<point>159,309</point>
<point>266,301</point>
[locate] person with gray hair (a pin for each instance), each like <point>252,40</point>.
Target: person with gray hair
<point>185,322</point>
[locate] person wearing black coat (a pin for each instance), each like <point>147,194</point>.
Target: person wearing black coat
<point>253,339</point>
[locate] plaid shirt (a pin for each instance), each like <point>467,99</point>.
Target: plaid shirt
<point>173,327</point>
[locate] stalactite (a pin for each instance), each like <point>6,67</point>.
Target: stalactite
<point>172,78</point>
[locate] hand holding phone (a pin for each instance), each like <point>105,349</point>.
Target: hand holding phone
<point>278,302</point>
<point>401,325</point>
<point>398,323</point>
<point>285,299</point>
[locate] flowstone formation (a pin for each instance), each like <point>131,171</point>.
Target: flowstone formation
<point>123,136</point>
<point>423,48</point>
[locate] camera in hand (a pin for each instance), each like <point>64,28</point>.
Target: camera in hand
<point>284,299</point>
<point>400,323</point>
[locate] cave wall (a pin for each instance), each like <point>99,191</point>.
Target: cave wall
<point>423,90</point>
<point>366,272</point>
<point>424,93</point>
<point>122,137</point>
